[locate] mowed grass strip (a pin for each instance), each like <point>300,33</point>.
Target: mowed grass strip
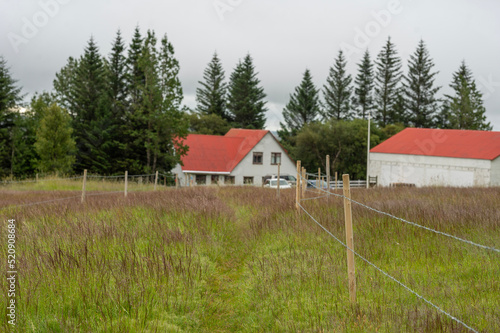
<point>240,260</point>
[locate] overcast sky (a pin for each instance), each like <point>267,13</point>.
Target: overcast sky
<point>284,38</point>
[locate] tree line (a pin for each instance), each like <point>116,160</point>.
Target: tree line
<point>332,120</point>
<point>124,111</point>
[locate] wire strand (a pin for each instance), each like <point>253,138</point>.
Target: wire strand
<point>60,199</point>
<point>411,223</point>
<point>388,275</point>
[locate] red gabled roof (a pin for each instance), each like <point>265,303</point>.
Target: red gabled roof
<point>212,153</point>
<point>251,138</point>
<point>447,143</point>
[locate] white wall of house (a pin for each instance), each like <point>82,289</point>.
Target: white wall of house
<point>266,146</point>
<point>495,172</point>
<point>178,171</point>
<point>246,168</point>
<point>430,170</point>
<point>184,178</point>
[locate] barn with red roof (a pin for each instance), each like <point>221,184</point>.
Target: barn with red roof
<point>241,157</point>
<point>437,157</point>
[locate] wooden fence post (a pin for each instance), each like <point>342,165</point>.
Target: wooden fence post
<point>328,174</point>
<point>156,180</point>
<point>297,188</point>
<point>84,184</point>
<point>304,182</point>
<point>278,184</point>
<point>349,238</point>
<point>126,184</point>
<point>336,180</point>
<point>318,182</point>
<point>36,180</point>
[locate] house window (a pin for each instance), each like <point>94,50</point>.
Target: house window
<point>229,180</point>
<point>215,179</point>
<point>257,158</point>
<point>248,180</point>
<point>275,158</point>
<point>201,179</point>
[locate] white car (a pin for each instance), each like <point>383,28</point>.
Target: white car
<point>289,178</point>
<point>273,183</point>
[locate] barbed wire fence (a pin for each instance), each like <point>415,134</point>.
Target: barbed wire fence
<point>327,193</point>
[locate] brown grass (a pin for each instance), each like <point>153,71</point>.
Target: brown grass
<point>239,259</point>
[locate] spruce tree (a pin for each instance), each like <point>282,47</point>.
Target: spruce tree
<point>363,91</point>
<point>22,153</point>
<point>151,100</point>
<point>171,124</point>
<point>419,88</point>
<point>54,144</point>
<point>158,119</point>
<point>387,77</point>
<point>118,94</point>
<point>10,96</point>
<point>64,85</point>
<point>337,91</point>
<point>211,96</point>
<point>303,106</point>
<point>399,113</point>
<point>92,120</point>
<point>246,103</point>
<point>135,76</point>
<point>134,156</point>
<point>465,108</point>
<point>118,78</point>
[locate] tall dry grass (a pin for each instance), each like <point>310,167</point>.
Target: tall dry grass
<point>239,259</point>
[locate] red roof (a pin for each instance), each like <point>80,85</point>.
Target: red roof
<point>439,142</point>
<point>212,153</point>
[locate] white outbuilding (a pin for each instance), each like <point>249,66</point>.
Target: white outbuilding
<point>241,157</point>
<point>437,157</point>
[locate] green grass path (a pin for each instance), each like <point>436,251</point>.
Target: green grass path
<point>228,300</point>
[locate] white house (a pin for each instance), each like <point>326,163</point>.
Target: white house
<point>435,157</point>
<point>240,157</point>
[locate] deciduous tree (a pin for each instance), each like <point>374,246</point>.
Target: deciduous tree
<point>54,145</point>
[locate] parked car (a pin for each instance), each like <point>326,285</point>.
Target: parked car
<point>273,183</point>
<point>289,178</point>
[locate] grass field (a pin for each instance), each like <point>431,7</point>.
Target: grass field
<point>240,260</point>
